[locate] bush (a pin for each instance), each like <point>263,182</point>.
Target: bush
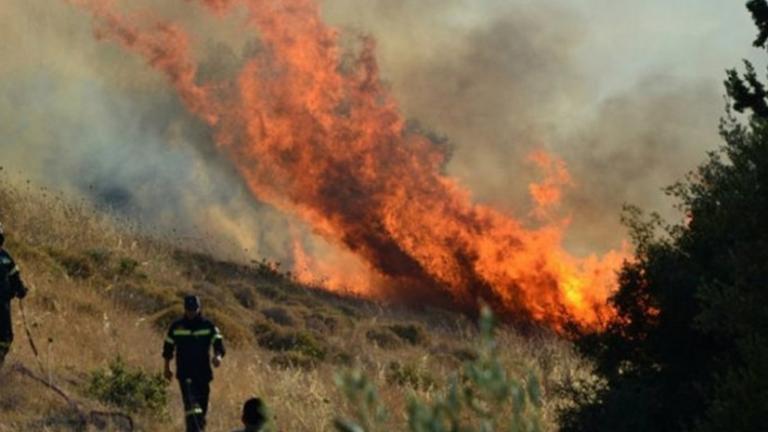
<point>279,315</point>
<point>75,266</point>
<point>410,333</point>
<point>321,323</point>
<point>130,389</point>
<point>383,339</point>
<point>244,294</point>
<point>127,266</point>
<point>300,342</point>
<point>408,375</point>
<point>482,398</point>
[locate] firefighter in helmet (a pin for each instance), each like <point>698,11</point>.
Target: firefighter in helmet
<point>254,416</point>
<point>10,286</point>
<point>191,339</point>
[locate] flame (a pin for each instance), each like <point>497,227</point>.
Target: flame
<point>337,271</point>
<point>318,136</point>
<point>548,193</point>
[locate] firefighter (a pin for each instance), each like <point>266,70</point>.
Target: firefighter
<point>254,415</point>
<point>191,338</point>
<point>10,286</point>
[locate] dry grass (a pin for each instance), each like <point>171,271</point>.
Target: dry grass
<point>101,290</point>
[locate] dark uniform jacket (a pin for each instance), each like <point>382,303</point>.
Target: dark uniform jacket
<point>10,287</point>
<point>192,341</point>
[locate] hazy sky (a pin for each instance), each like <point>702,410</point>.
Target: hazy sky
<point>691,38</point>
<point>618,41</point>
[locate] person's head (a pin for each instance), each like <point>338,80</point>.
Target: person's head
<point>191,306</point>
<point>254,413</point>
<point>2,235</point>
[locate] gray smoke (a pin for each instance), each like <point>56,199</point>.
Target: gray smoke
<point>501,79</point>
<point>497,78</point>
<point>82,116</point>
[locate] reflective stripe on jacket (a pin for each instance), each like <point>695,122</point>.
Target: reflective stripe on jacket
<point>191,342</point>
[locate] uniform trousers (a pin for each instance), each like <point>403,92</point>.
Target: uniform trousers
<point>194,394</point>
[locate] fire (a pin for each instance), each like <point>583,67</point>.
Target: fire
<point>337,271</point>
<point>328,144</point>
<point>548,193</point>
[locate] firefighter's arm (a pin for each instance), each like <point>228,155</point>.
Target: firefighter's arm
<point>17,286</point>
<point>218,345</point>
<point>169,347</point>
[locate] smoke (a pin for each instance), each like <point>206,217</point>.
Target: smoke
<point>81,116</point>
<point>495,83</point>
<point>638,142</point>
<point>498,79</point>
<point>503,79</point>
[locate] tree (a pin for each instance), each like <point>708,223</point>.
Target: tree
<point>690,348</point>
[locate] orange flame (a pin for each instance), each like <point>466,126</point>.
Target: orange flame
<point>328,143</point>
<point>548,193</point>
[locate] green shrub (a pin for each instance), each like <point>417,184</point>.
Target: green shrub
<point>482,398</point>
<point>127,266</point>
<point>260,328</point>
<point>131,389</point>
<point>408,375</point>
<point>410,333</point>
<point>300,342</point>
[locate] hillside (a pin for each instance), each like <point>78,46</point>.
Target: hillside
<point>100,290</point>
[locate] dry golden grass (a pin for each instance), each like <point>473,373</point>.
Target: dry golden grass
<point>99,290</point>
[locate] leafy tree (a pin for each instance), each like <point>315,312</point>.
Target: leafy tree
<point>690,348</point>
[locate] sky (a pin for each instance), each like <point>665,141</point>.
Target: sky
<point>627,93</point>
<point>688,38</point>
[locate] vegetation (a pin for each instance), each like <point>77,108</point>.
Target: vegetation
<point>481,398</point>
<point>690,348</point>
<point>687,352</point>
<point>100,290</point>
<point>131,389</point>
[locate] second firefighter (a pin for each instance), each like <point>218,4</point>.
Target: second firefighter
<point>191,339</point>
